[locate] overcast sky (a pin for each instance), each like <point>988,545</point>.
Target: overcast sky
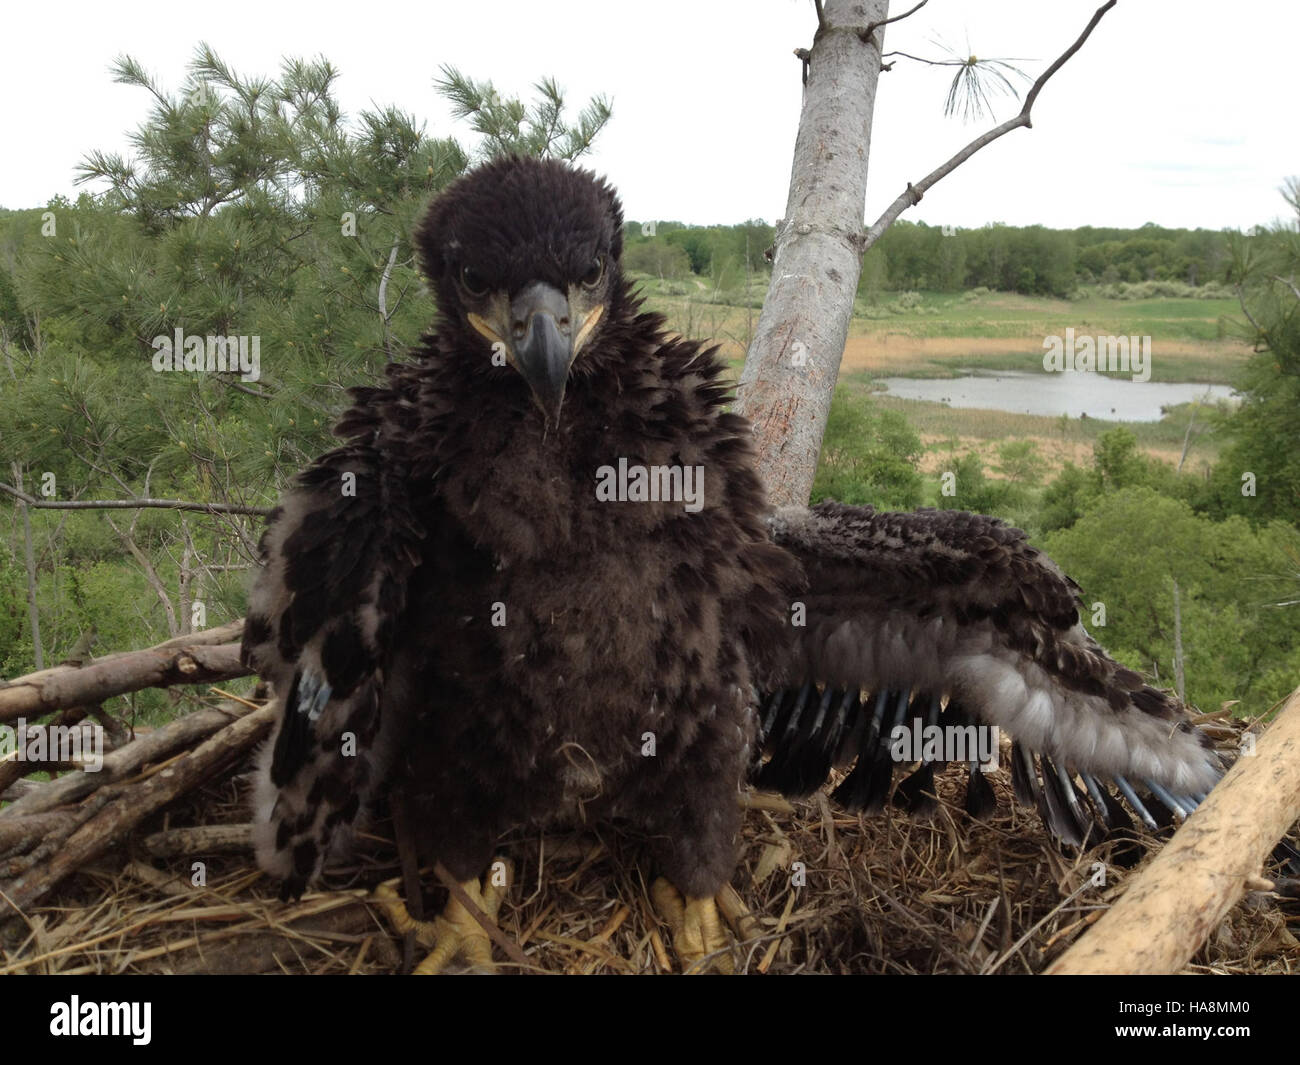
<point>1178,112</point>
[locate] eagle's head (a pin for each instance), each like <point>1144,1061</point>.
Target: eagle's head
<point>524,258</point>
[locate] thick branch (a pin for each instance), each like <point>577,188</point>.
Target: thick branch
<point>54,689</point>
<point>790,369</point>
<point>1188,889</point>
<point>177,735</point>
<point>913,193</point>
<point>132,504</point>
<point>200,839</point>
<point>136,803</point>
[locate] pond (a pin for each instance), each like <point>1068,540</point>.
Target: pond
<point>1053,394</point>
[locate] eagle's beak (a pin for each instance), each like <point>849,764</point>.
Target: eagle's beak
<point>540,332</point>
<point>541,339</point>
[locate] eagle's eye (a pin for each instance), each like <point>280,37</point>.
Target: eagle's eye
<point>594,272</point>
<point>473,282</point>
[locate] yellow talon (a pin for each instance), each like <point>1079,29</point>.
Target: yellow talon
<point>454,933</point>
<point>698,936</point>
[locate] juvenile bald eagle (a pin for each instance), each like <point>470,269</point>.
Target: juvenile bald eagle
<point>540,581</point>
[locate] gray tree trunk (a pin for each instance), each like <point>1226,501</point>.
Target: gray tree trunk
<point>794,359</point>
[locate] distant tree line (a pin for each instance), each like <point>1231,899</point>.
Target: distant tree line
<point>725,255</point>
<point>913,256</point>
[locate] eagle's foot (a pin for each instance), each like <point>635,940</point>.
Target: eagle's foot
<point>455,933</point>
<point>698,935</point>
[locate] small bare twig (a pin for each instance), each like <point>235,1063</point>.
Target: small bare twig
<point>912,195</point>
<point>865,33</point>
<point>132,504</point>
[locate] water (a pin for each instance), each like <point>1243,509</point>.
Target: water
<point>1053,394</point>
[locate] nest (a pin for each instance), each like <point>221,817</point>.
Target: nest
<point>816,890</point>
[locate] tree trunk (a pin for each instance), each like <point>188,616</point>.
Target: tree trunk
<point>793,362</point>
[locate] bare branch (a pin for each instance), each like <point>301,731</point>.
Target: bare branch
<point>922,59</point>
<point>238,387</point>
<point>871,27</point>
<point>1241,299</point>
<point>1289,284</point>
<point>150,573</point>
<point>186,660</point>
<point>383,298</point>
<point>912,195</point>
<point>132,504</point>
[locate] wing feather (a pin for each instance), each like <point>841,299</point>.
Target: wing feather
<point>936,605</point>
<point>337,555</point>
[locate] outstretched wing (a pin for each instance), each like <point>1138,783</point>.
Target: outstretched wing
<point>954,619</point>
<point>337,554</point>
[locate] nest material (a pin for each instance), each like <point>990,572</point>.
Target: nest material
<point>816,890</point>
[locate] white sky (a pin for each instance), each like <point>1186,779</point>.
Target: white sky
<point>1179,112</point>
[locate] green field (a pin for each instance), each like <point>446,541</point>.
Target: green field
<point>945,334</point>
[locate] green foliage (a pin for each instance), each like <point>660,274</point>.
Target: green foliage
<point>1067,498</point>
<point>1117,463</point>
<point>965,486</point>
<point>511,128</point>
<point>1258,476</point>
<point>1130,547</point>
<point>658,259</point>
<point>721,253</point>
<point>869,456</point>
<point>249,208</point>
<point>1020,462</point>
<point>1034,260</point>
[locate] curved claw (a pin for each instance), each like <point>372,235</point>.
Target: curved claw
<point>455,933</point>
<point>698,936</point>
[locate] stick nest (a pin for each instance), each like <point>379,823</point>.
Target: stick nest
<point>826,892</point>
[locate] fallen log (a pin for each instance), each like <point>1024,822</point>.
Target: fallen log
<point>20,834</point>
<point>185,660</point>
<point>231,632</point>
<point>137,802</point>
<point>1188,889</point>
<point>18,789</point>
<point>180,734</point>
<point>201,839</point>
<point>115,734</point>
